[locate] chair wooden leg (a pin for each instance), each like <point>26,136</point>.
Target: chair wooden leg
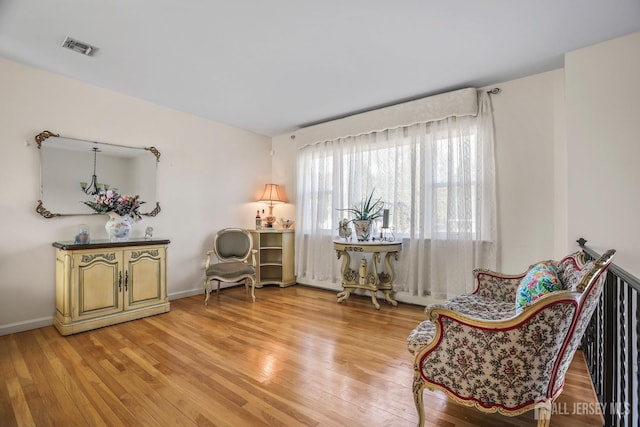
<point>417,396</point>
<point>218,290</point>
<point>253,289</point>
<point>207,291</point>
<point>544,415</point>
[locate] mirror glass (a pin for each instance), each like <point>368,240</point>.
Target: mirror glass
<point>67,165</point>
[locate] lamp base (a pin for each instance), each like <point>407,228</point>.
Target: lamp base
<point>269,221</point>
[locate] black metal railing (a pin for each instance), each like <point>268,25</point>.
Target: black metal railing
<point>611,346</point>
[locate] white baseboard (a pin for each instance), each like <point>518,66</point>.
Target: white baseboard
<point>184,294</point>
<point>398,296</point>
<point>26,325</point>
<point>321,284</point>
<point>199,291</point>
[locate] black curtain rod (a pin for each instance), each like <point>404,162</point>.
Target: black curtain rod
<point>494,91</point>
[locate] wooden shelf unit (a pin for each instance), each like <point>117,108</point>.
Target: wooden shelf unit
<point>274,257</point>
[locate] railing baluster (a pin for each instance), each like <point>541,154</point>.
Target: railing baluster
<point>629,351</point>
<point>622,330</point>
<point>613,346</point>
<point>609,371</point>
<point>599,368</point>
<point>637,364</point>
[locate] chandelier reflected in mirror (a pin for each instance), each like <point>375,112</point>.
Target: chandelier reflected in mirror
<point>93,187</point>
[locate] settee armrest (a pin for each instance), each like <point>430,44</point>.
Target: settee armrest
<point>438,311</point>
<point>498,286</point>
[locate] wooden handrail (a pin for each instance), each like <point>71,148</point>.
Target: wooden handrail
<point>623,274</point>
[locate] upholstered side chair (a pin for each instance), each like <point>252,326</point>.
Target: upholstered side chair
<point>482,351</point>
<point>235,260</point>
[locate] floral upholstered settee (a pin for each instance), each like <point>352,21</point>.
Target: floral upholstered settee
<point>506,347</point>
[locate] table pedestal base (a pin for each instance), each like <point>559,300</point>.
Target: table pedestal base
<point>371,281</point>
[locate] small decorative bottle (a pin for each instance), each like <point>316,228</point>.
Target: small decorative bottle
<point>258,220</point>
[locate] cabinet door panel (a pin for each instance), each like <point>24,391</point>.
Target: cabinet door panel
<point>98,280</point>
<point>144,282</point>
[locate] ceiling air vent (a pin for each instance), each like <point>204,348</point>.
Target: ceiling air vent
<point>78,46</point>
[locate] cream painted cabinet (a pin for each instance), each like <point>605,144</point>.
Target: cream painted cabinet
<point>104,283</point>
<point>274,257</point>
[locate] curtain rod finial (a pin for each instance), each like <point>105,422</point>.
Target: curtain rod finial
<point>494,91</point>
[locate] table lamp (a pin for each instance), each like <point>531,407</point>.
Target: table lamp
<point>272,194</point>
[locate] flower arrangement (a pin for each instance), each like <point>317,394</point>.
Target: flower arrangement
<point>112,201</point>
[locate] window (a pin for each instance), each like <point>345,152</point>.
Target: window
<point>400,169</point>
<point>436,178</point>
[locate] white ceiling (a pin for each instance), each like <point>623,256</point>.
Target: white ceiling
<point>272,66</point>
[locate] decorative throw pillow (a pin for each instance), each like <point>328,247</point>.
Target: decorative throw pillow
<point>541,279</point>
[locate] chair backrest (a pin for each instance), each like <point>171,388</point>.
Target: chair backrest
<point>232,244</point>
<point>589,279</point>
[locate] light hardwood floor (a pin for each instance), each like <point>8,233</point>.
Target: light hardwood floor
<point>294,357</point>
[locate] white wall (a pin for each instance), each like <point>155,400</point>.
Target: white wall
<point>529,131</point>
<point>603,141</point>
<point>208,178</point>
<point>284,173</point>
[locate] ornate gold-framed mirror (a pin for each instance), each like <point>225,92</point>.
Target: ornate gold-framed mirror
<point>73,169</point>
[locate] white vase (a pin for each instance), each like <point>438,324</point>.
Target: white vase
<point>362,229</point>
<point>118,227</point>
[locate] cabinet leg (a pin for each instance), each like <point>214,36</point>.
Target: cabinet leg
<point>374,300</point>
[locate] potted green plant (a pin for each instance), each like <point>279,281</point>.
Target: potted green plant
<point>363,215</point>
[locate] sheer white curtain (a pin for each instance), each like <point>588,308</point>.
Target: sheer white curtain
<point>436,178</point>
